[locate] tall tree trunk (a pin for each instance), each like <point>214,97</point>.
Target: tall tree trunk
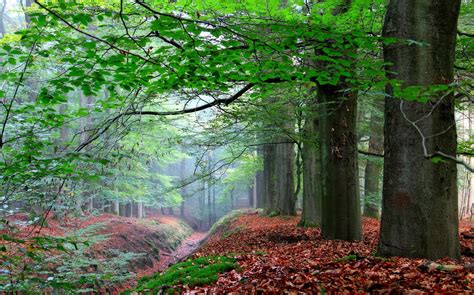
<point>419,210</point>
<point>140,214</point>
<point>260,181</point>
<point>270,189</point>
<point>311,175</point>
<point>115,207</point>
<point>122,209</point>
<point>250,195</point>
<point>374,168</point>
<point>285,181</point>
<point>340,203</point>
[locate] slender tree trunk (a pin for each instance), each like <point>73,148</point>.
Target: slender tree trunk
<point>270,189</point>
<point>122,209</point>
<point>115,207</point>
<point>250,195</point>
<point>128,209</point>
<point>140,210</point>
<point>374,167</point>
<point>340,201</point>
<point>419,211</point>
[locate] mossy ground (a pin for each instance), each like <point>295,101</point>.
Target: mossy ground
<point>195,272</point>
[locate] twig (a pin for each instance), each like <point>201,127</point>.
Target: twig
<point>425,149</point>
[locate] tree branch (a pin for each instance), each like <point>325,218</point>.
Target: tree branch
<point>465,34</point>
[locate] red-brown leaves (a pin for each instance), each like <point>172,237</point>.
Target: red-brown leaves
<point>277,256</point>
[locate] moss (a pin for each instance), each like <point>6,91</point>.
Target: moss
<point>232,231</point>
<point>196,272</point>
<point>223,223</point>
<point>273,214</point>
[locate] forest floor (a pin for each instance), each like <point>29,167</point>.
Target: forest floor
<point>275,255</point>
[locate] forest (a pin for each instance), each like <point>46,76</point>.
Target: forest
<point>236,146</point>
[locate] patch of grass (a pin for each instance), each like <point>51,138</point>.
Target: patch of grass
<point>196,272</point>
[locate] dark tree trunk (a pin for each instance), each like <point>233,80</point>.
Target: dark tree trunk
<point>311,175</point>
<point>270,189</point>
<point>260,181</point>
<point>122,209</point>
<point>250,192</point>
<point>419,211</point>
<point>285,181</point>
<point>128,209</point>
<point>340,203</point>
<point>374,167</point>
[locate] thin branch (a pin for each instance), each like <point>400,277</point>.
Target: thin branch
<point>111,45</point>
<point>110,122</point>
<point>425,149</point>
<point>9,109</point>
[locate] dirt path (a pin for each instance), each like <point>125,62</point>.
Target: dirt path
<point>186,248</point>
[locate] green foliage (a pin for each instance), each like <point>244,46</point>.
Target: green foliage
<point>195,272</point>
<point>65,263</point>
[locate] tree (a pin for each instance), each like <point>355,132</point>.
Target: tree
<point>338,147</point>
<point>311,215</point>
<point>419,211</point>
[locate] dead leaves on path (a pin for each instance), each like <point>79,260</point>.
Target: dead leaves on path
<point>276,256</point>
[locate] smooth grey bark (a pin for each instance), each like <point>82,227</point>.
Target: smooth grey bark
<point>419,211</point>
<point>374,167</point>
<point>311,215</point>
<point>340,202</point>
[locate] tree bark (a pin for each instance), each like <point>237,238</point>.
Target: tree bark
<point>270,189</point>
<point>340,201</point>
<point>311,216</point>
<point>374,167</point>
<point>419,210</point>
<point>260,182</point>
<point>250,195</point>
<point>285,166</point>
